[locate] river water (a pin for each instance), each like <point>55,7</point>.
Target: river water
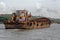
<point>52,33</point>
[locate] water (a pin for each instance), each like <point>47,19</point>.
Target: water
<point>52,33</point>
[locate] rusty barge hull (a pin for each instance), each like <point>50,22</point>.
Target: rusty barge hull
<point>21,26</point>
<point>9,26</point>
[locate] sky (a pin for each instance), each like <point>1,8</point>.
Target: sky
<point>47,8</point>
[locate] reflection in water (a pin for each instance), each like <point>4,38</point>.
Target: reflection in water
<point>51,33</point>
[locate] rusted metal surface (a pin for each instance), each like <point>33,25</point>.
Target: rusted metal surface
<point>25,21</point>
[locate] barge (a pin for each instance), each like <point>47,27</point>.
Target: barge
<point>22,19</point>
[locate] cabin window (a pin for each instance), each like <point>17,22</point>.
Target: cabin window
<point>37,25</point>
<point>42,24</point>
<point>30,24</point>
<point>34,23</point>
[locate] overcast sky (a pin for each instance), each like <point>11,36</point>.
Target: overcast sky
<point>48,8</point>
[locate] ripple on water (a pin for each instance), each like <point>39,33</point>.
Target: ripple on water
<point>51,33</point>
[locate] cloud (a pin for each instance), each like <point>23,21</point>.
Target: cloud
<point>48,8</point>
<point>3,4</point>
<point>2,7</point>
<point>38,5</point>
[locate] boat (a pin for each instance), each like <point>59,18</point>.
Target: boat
<point>22,19</point>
